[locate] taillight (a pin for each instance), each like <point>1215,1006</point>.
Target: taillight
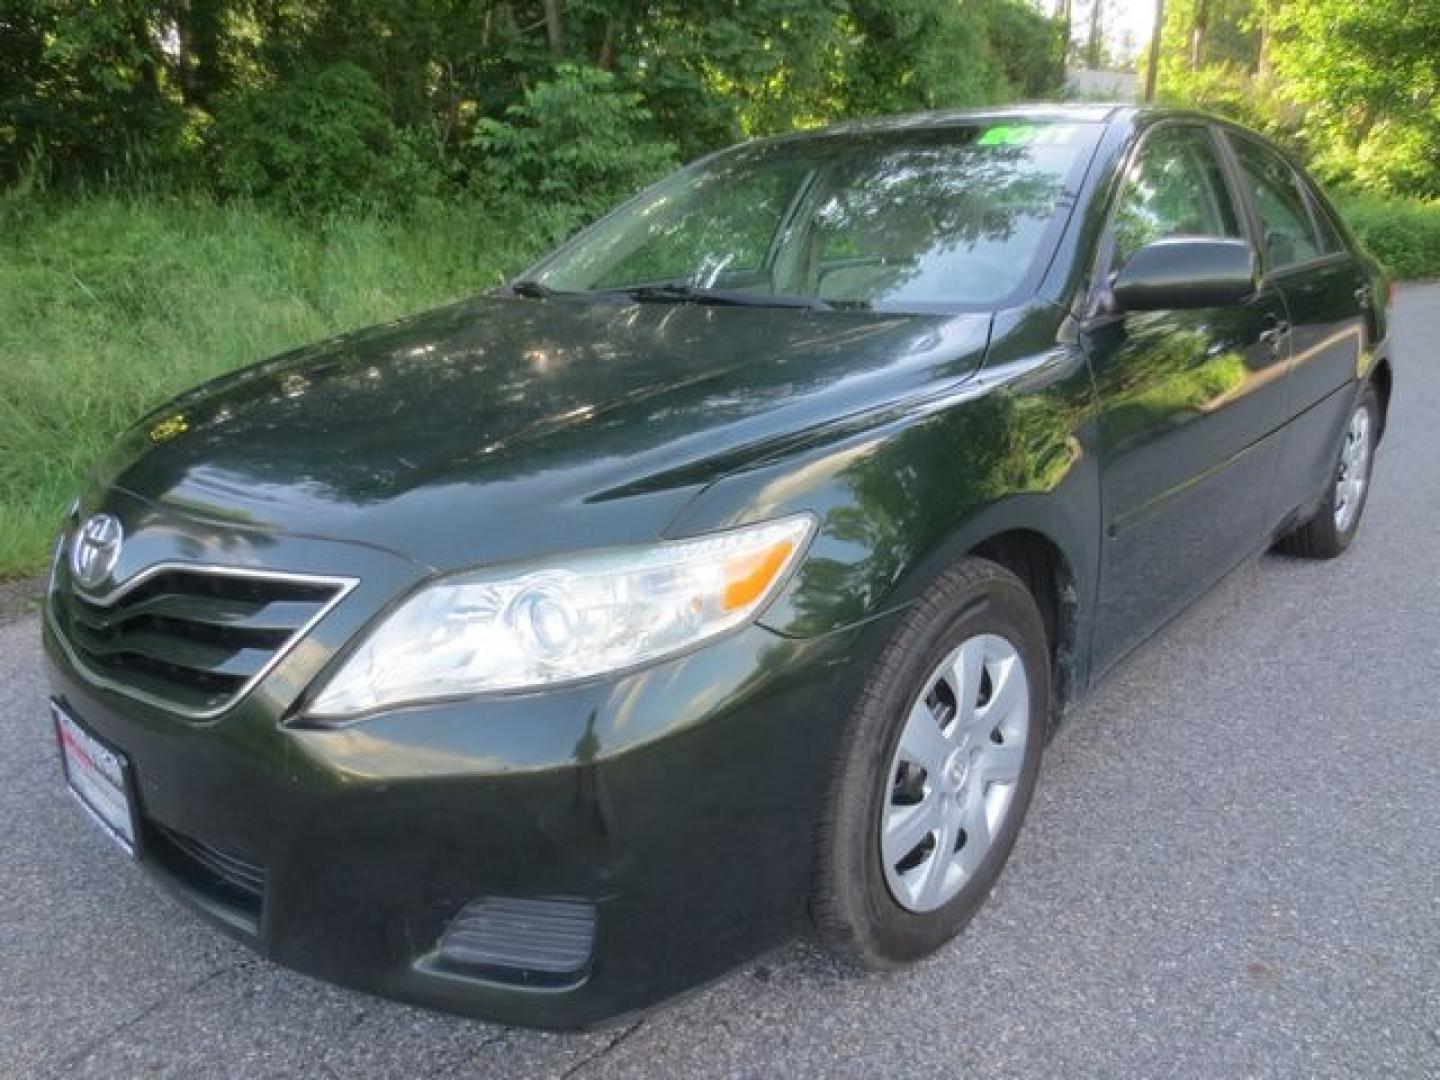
<point>1390,293</point>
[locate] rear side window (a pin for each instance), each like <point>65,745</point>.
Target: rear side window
<point>1175,187</point>
<point>1284,213</point>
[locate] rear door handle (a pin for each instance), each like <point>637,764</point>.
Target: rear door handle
<point>1363,295</point>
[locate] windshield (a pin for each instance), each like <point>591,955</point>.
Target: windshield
<point>895,220</point>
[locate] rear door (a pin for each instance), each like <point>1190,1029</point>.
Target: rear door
<point>1327,292</point>
<point>1190,401</point>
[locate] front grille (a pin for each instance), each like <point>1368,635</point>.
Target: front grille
<point>193,639</point>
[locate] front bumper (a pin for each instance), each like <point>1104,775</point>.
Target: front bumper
<point>679,802</point>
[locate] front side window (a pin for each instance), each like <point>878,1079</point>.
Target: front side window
<point>1175,187</point>
<point>889,219</point>
<point>1284,216</point>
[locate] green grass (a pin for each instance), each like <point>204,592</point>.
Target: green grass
<point>109,306</point>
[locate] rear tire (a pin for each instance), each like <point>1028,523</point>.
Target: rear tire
<point>1334,526</point>
<point>935,770</point>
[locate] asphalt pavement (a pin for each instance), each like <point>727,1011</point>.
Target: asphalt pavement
<point>1232,868</point>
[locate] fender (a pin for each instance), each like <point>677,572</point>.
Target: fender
<point>1004,451</point>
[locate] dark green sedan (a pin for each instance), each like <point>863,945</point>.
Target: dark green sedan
<point>721,578</point>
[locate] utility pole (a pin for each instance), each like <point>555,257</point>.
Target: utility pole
<point>1095,45</point>
<point>1063,13</point>
<point>1154,67</point>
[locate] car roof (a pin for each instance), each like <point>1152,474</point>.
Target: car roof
<point>1041,112</point>
<point>1114,112</point>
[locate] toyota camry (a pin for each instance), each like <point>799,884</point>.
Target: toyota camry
<point>722,577</point>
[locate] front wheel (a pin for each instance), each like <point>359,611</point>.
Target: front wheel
<point>1336,522</point>
<point>936,769</point>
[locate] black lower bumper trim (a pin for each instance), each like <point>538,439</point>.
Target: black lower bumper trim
<point>546,942</point>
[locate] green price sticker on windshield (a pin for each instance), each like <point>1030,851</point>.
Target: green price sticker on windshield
<point>1008,135</point>
<point>1026,134</point>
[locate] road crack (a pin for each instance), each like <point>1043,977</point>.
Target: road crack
<point>99,1041</point>
<point>604,1052</point>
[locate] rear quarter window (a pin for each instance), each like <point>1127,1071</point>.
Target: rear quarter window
<point>1331,239</point>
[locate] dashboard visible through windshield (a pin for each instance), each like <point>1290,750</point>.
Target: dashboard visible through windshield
<point>896,219</point>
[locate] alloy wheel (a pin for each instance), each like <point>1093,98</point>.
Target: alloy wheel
<point>1354,470</point>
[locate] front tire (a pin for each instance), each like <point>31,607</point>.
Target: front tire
<point>935,771</point>
<point>1331,531</point>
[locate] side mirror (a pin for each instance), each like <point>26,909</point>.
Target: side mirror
<point>1185,272</point>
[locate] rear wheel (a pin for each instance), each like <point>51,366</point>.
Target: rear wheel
<point>1336,522</point>
<point>938,763</point>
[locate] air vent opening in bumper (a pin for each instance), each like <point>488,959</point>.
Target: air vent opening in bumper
<point>230,888</point>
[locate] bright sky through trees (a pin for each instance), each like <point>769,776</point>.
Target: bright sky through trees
<point>1126,25</point>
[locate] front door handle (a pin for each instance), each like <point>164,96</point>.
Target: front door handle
<point>1273,336</point>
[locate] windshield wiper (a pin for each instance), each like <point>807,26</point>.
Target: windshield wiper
<point>679,293</point>
<point>532,290</point>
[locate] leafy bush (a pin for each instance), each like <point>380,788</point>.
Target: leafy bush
<point>1028,45</point>
<point>1365,75</point>
<point>81,100</point>
<point>323,142</point>
<point>579,140</point>
<point>1231,91</point>
<point>1394,160</point>
<point>917,54</point>
<point>1403,234</point>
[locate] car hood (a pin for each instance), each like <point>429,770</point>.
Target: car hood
<point>502,427</point>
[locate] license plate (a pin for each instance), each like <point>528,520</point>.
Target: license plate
<point>99,777</point>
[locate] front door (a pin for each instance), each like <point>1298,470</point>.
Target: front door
<point>1190,404</point>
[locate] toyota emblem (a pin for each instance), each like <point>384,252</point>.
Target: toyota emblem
<point>96,550</point>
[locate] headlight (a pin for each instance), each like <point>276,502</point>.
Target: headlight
<point>563,619</point>
<point>57,552</point>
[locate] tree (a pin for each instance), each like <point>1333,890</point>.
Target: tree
<point>1356,87</point>
<point>1152,67</point>
<point>124,91</point>
<point>84,89</point>
<point>1095,43</point>
<point>1368,78</point>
